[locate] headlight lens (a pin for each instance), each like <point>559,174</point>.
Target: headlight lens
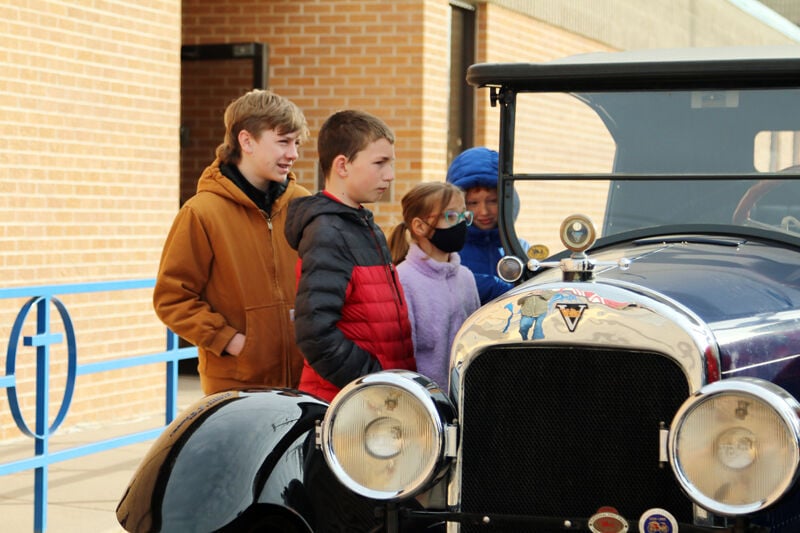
<point>383,436</point>
<point>509,268</point>
<point>734,445</point>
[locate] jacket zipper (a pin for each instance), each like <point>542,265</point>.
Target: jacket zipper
<point>287,364</point>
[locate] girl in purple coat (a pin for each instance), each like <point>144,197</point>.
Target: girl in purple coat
<point>440,292</point>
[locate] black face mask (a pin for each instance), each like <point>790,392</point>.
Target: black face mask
<point>450,239</point>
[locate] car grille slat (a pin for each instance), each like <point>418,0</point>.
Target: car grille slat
<point>561,432</point>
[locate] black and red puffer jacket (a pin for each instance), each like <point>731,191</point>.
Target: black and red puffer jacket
<point>351,317</point>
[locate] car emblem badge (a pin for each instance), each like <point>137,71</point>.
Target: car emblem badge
<point>657,521</point>
<point>539,252</point>
<point>607,520</point>
<point>571,313</point>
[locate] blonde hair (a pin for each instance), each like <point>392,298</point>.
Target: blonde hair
<point>257,111</point>
<point>423,201</point>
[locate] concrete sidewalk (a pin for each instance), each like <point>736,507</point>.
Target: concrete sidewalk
<point>82,493</point>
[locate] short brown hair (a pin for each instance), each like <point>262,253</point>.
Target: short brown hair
<point>257,111</point>
<point>347,133</point>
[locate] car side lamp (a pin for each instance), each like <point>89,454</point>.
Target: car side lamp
<point>577,234</point>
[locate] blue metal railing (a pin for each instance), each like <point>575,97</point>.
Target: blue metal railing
<point>42,299</point>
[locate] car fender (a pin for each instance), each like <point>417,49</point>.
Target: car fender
<point>223,456</point>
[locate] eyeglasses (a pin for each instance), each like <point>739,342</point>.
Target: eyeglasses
<point>454,217</point>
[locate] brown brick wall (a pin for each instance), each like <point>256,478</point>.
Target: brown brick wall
<point>388,58</point>
<point>206,89</point>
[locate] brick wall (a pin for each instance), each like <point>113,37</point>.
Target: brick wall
<point>388,58</point>
<point>92,170</point>
<point>632,24</point>
<point>89,158</point>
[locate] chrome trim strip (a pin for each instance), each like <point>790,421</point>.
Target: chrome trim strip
<point>756,365</point>
<point>450,440</point>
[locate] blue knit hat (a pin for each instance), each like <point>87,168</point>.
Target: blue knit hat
<point>477,167</point>
<point>474,167</point>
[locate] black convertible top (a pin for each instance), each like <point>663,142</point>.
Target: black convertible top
<point>686,68</point>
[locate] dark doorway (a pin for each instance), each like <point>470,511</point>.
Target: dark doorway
<point>212,75</point>
<point>461,112</point>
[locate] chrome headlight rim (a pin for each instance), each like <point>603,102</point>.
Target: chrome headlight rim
<point>784,405</point>
<point>422,390</point>
<point>510,268</point>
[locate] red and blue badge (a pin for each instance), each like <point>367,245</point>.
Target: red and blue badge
<point>657,521</point>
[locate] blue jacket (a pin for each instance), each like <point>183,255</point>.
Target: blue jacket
<point>480,254</point>
<point>477,167</point>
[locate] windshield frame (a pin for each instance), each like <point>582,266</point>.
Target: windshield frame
<point>736,68</point>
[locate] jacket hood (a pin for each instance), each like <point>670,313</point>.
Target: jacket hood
<point>214,181</point>
<point>303,210</point>
<point>474,167</point>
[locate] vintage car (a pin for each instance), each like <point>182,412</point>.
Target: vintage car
<point>644,379</point>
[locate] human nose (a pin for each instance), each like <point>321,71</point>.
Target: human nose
<point>293,152</point>
<point>479,208</point>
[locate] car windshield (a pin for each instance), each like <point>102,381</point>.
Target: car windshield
<point>632,160</point>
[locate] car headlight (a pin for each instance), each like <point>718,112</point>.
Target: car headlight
<point>509,268</point>
<point>734,445</point>
<point>384,434</point>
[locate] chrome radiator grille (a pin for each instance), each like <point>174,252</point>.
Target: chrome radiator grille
<point>561,432</point>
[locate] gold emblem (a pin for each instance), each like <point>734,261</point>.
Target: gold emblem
<point>538,252</point>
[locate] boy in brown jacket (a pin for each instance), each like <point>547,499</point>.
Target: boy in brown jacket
<point>226,282</point>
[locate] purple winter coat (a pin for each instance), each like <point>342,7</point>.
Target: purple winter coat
<point>440,297</point>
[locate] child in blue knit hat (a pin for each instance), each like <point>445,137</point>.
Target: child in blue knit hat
<point>475,172</point>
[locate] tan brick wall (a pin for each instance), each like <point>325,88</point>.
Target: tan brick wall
<point>89,158</point>
<point>636,24</point>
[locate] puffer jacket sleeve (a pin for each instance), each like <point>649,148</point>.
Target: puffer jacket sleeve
<point>183,274</point>
<point>326,273</point>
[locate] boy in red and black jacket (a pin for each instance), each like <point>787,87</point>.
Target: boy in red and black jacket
<point>351,317</point>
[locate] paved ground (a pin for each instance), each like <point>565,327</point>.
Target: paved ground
<point>83,493</point>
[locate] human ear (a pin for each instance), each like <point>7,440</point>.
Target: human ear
<point>418,228</point>
<point>339,165</point>
<point>246,141</point>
